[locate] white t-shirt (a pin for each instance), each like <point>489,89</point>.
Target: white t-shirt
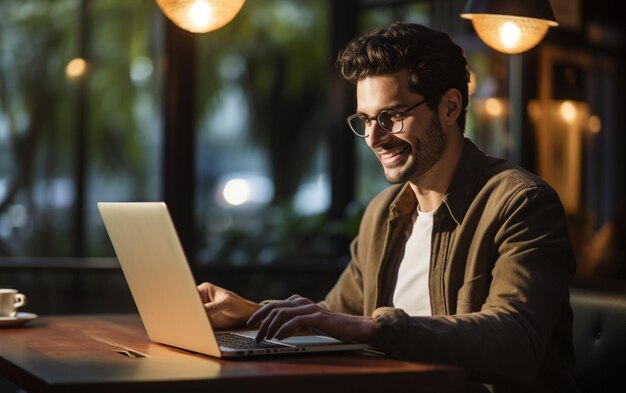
<point>411,292</point>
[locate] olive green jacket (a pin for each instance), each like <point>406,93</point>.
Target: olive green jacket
<point>500,267</point>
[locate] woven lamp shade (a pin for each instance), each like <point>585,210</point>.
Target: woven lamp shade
<point>200,16</point>
<point>510,26</point>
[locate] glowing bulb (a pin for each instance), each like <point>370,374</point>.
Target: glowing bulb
<point>76,68</point>
<point>236,192</point>
<point>509,34</point>
<point>568,112</point>
<point>200,16</point>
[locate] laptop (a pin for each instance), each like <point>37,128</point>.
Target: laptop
<point>165,292</point>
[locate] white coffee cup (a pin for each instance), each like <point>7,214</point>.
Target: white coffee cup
<point>10,300</point>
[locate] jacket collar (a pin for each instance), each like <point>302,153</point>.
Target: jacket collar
<point>405,203</point>
<point>465,182</point>
<point>460,193</point>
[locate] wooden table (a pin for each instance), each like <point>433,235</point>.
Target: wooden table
<point>112,353</point>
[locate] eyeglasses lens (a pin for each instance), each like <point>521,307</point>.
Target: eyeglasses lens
<point>390,121</point>
<point>358,125</point>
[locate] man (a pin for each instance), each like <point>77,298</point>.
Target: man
<point>466,260</point>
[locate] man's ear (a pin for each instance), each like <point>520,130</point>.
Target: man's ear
<point>450,107</point>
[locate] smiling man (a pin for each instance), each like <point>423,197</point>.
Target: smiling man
<point>465,260</point>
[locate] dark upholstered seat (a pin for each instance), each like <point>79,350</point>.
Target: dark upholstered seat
<point>600,340</point>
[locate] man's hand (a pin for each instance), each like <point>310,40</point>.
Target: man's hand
<point>282,319</point>
<point>225,308</point>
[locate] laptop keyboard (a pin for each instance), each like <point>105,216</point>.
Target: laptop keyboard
<point>236,341</point>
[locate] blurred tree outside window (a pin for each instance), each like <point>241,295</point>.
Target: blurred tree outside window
<point>47,50</point>
<point>263,184</point>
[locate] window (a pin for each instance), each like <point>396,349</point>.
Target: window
<point>79,120</point>
<point>262,121</point>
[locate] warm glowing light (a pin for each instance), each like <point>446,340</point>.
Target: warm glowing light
<point>236,192</point>
<point>568,112</point>
<point>509,34</point>
<point>595,124</point>
<point>200,16</point>
<point>76,68</point>
<point>494,107</point>
<point>534,110</point>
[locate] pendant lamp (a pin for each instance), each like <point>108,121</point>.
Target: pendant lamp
<point>510,26</point>
<point>200,16</point>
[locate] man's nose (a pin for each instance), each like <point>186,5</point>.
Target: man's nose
<point>377,134</point>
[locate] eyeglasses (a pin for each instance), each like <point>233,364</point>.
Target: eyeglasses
<point>390,120</point>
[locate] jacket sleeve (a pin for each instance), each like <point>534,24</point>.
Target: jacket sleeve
<point>510,336</point>
<point>347,294</point>
<point>355,291</point>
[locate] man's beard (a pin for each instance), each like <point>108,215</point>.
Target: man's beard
<point>427,151</point>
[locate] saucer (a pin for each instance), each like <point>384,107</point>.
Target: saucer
<point>19,319</point>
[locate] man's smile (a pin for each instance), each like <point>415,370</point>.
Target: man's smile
<point>393,155</point>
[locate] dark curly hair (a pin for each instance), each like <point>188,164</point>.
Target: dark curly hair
<point>434,62</point>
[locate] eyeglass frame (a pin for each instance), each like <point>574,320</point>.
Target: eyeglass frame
<point>403,114</point>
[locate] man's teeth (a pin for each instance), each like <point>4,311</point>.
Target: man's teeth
<point>393,152</point>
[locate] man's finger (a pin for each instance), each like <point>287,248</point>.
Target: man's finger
<point>283,316</point>
<point>278,317</point>
<point>207,292</point>
<point>275,320</point>
<point>266,322</point>
<point>296,323</point>
<point>214,307</point>
<point>260,314</point>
